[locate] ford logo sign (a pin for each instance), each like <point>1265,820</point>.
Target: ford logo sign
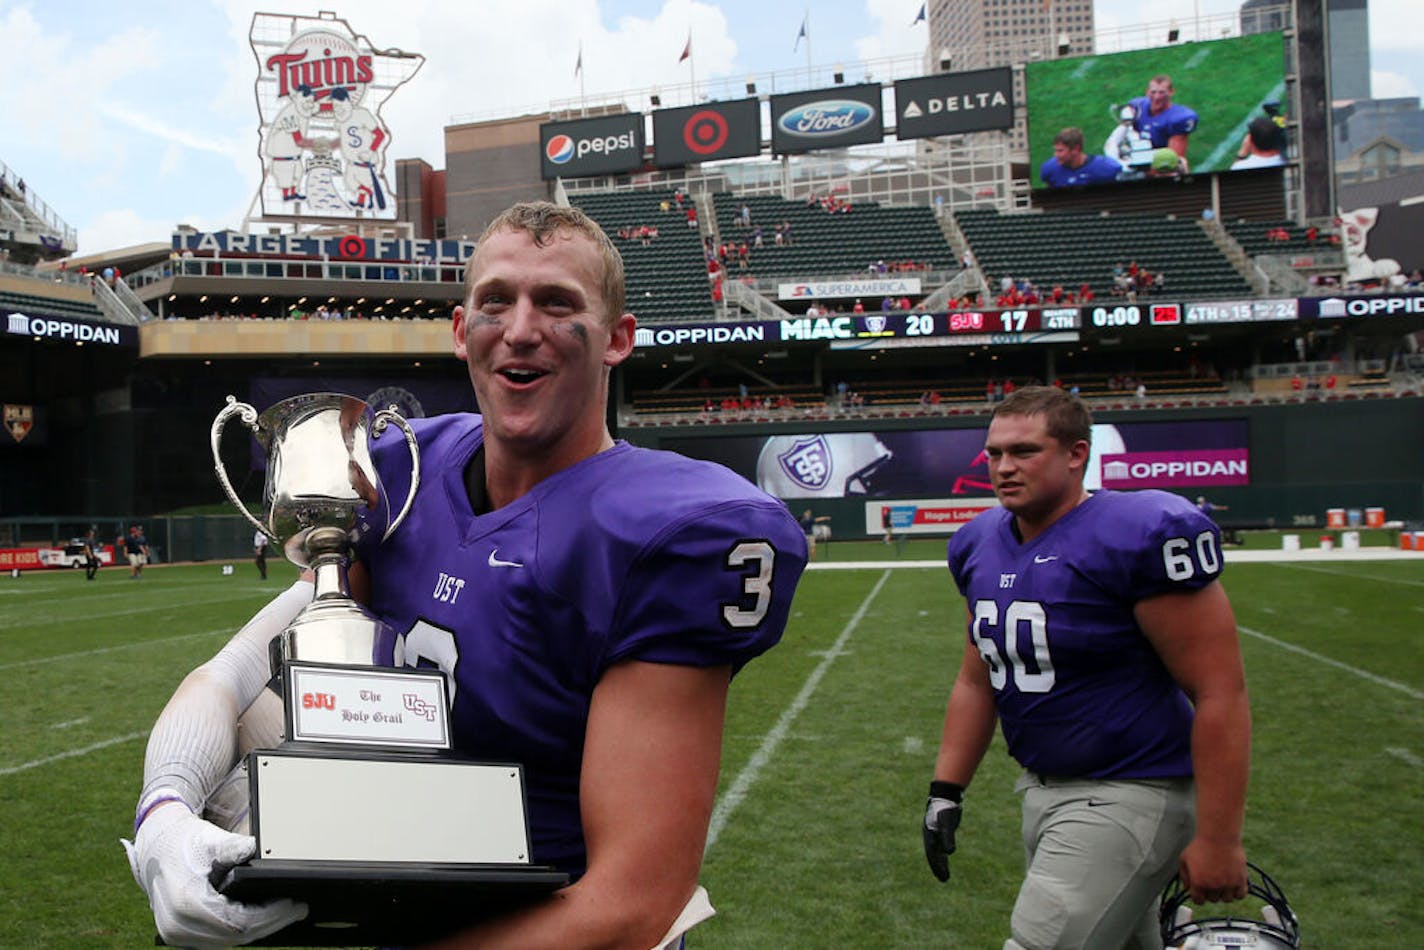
<point>827,117</point>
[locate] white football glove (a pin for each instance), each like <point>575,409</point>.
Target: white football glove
<point>174,857</point>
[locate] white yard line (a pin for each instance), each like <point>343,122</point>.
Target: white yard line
<point>1409,691</point>
<point>1354,575</point>
<point>737,791</point>
<point>39,620</point>
<point>73,753</point>
<point>61,657</point>
<point>1406,756</point>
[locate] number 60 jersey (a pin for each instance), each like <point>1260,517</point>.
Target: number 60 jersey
<point>1079,689</point>
<point>629,554</point>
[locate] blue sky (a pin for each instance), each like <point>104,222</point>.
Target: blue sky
<point>130,118</point>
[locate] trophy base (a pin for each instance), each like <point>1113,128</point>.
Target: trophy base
<point>374,904</point>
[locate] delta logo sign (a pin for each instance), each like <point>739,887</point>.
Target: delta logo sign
<point>826,118</point>
<point>1202,467</point>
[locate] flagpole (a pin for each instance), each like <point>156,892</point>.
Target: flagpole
<point>583,97</point>
<point>692,63</point>
<point>806,22</point>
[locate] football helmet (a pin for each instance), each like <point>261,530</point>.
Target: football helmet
<point>820,466</point>
<point>1276,929</point>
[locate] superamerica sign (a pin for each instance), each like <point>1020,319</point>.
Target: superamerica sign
<point>347,247</point>
<point>322,142</point>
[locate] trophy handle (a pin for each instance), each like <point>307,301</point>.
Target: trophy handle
<point>249,418</point>
<point>378,425</point>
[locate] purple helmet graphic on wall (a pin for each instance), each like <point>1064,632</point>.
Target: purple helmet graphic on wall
<point>820,466</point>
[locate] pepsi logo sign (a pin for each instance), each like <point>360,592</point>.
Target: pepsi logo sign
<point>559,150</point>
<point>827,117</point>
<point>562,148</point>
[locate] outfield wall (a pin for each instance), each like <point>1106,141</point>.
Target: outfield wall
<point>1304,458</point>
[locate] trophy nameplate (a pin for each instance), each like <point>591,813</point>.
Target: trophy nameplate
<point>360,809</point>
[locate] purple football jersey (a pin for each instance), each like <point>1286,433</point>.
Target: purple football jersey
<point>630,554</point>
<point>1174,120</point>
<point>1079,689</point>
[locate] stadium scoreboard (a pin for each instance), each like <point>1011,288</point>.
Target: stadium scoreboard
<point>1242,311</point>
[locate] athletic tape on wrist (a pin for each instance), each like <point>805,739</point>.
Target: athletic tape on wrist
<point>151,801</point>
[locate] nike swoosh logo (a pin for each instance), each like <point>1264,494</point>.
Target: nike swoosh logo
<point>1044,560</point>
<point>494,560</point>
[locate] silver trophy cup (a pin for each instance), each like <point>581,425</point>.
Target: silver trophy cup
<point>346,775</point>
<point>322,496</point>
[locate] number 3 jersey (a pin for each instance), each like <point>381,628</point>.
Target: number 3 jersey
<point>1079,690</point>
<point>629,554</point>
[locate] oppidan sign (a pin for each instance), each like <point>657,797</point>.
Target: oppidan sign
<point>954,103</point>
<point>827,118</point>
<point>322,142</point>
<point>602,146</point>
<point>706,133</point>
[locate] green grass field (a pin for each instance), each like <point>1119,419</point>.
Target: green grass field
<point>830,743</point>
<point>1224,81</point>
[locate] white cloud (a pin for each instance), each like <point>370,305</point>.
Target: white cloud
<point>1389,85</point>
<point>1392,25</point>
<point>894,32</point>
<point>120,227</point>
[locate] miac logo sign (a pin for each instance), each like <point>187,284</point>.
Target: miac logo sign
<point>323,144</point>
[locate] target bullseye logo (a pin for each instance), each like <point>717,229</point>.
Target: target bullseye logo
<point>352,246</point>
<point>705,131</point>
<point>560,149</point>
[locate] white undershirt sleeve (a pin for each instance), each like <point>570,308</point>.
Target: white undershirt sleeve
<point>193,744</point>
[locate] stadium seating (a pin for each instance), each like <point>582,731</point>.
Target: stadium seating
<point>54,306</point>
<point>1252,236</point>
<point>831,244</point>
<point>667,277</point>
<point>1071,248</point>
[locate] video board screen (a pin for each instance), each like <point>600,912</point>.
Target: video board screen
<point>951,462</point>
<point>1192,108</point>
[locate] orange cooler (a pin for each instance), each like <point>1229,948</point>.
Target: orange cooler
<point>1334,517</point>
<point>1374,517</point>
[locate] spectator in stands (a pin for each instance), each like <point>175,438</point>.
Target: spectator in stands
<point>744,215</point>
<point>1070,165</point>
<point>692,216</point>
<point>903,304</point>
<point>858,307</point>
<point>1311,234</point>
<point>786,232</point>
<point>887,304</point>
<point>1141,391</point>
<point>756,236</point>
<point>1263,146</point>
